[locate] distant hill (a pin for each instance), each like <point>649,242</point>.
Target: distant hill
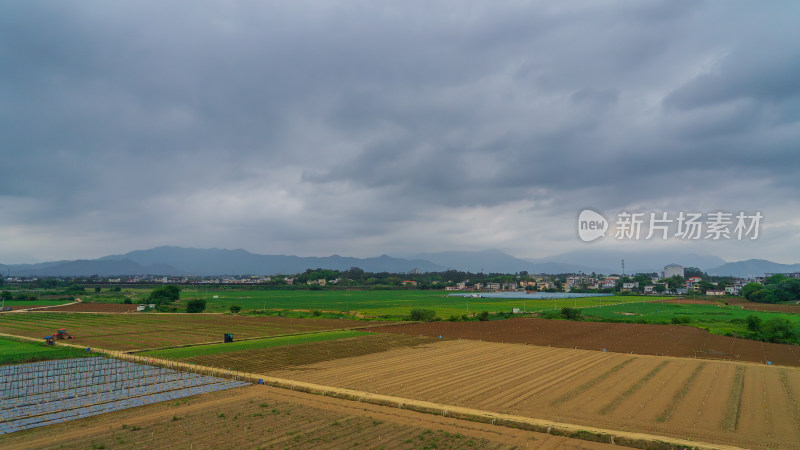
<point>90,267</point>
<point>610,261</point>
<point>752,268</point>
<point>170,260</point>
<point>215,261</point>
<point>495,261</point>
<point>195,261</point>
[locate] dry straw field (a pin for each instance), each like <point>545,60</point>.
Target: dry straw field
<point>741,404</point>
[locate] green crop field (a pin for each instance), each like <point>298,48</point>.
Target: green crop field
<point>384,302</point>
<point>718,319</point>
<point>13,351</point>
<point>280,341</point>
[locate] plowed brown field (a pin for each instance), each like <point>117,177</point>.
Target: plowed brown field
<point>643,339</point>
<point>746,405</point>
<point>263,417</point>
<point>96,307</point>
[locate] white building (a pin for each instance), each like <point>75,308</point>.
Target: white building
<point>672,270</point>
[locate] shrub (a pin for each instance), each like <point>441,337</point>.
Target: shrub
<point>316,313</point>
<point>778,330</point>
<point>753,323</point>
<point>423,315</point>
<point>571,313</point>
<point>197,305</point>
<point>483,316</point>
<point>127,301</point>
<point>235,309</point>
<point>678,320</point>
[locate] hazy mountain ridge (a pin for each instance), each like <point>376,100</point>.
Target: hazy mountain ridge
<point>170,260</point>
<point>752,268</point>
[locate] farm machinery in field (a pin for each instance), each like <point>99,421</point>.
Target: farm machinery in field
<point>61,333</point>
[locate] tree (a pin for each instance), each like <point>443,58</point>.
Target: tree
<point>423,315</point>
<point>97,289</point>
<point>705,286</point>
<point>750,288</point>
<point>659,288</point>
<point>674,282</point>
<point>235,309</point>
<point>5,295</point>
<point>75,288</point>
<point>571,313</point>
<point>483,316</point>
<point>197,305</point>
<point>165,294</point>
<point>778,330</point>
<point>776,279</point>
<point>690,272</point>
<point>753,323</point>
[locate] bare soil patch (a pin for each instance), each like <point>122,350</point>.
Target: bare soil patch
<point>643,339</point>
<point>96,307</point>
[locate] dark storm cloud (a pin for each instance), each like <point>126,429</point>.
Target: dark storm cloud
<point>357,128</point>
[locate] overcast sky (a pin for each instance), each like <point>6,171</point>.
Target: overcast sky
<point>362,128</point>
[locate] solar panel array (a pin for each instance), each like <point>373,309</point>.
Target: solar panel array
<point>49,392</point>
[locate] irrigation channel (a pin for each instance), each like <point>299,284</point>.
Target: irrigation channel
<point>44,393</point>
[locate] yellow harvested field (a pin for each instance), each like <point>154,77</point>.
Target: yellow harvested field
<point>740,404</point>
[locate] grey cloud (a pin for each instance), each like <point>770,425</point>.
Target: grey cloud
<point>341,127</point>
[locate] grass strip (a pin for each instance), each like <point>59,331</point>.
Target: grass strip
<point>620,398</point>
<point>212,349</point>
<point>687,385</point>
<point>731,420</point>
<point>13,351</point>
<point>569,395</point>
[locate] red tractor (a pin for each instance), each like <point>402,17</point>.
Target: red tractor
<point>63,334</point>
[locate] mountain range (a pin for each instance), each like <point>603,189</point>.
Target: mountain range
<point>170,260</point>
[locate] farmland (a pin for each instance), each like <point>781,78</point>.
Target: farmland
<point>663,380</point>
<point>13,351</point>
<point>43,393</point>
<point>261,417</point>
<point>644,339</point>
<point>278,356</point>
<point>733,403</point>
<point>256,344</point>
<point>718,318</point>
<point>384,302</point>
<point>145,331</point>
